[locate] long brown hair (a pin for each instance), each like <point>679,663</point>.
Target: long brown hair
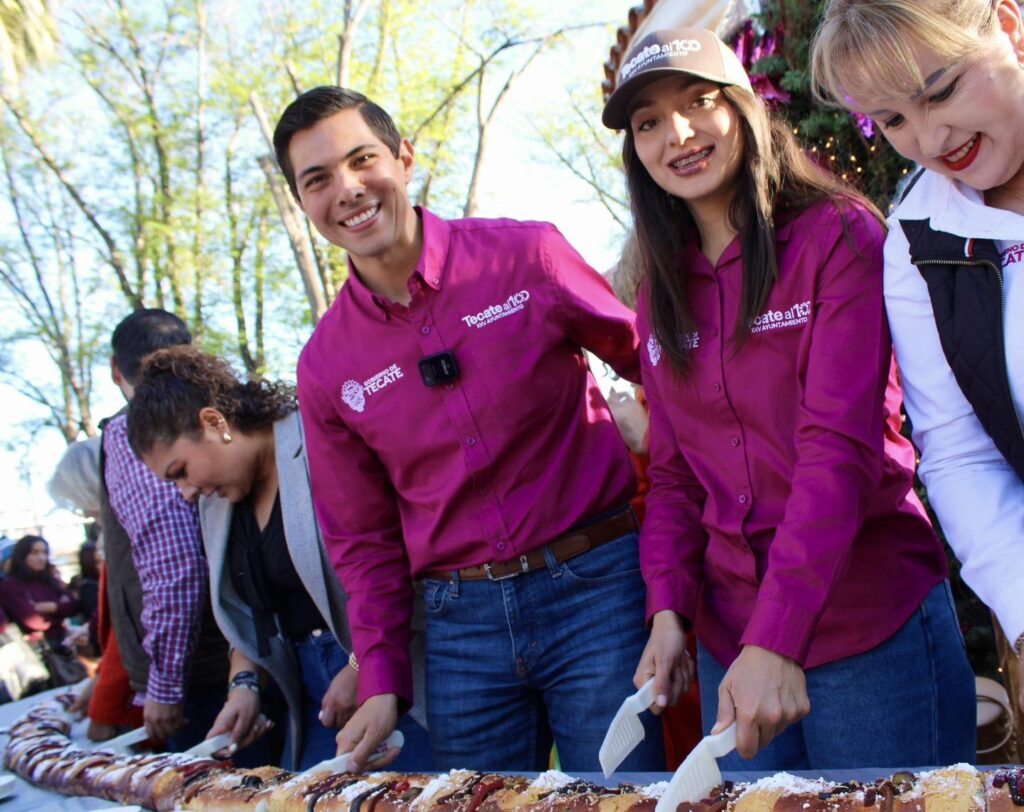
<point>776,177</point>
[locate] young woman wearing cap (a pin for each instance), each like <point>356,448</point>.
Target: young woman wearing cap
<point>239,449</point>
<point>953,101</point>
<point>781,519</point>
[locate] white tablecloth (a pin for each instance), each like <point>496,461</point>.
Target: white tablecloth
<point>28,798</point>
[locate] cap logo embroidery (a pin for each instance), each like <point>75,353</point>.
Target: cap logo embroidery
<point>653,350</point>
<point>354,394</point>
<point>656,52</point>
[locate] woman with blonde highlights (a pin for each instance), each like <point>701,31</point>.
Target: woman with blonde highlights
<point>944,81</point>
<point>781,520</point>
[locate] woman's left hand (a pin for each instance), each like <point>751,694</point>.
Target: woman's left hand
<point>341,699</point>
<point>764,693</point>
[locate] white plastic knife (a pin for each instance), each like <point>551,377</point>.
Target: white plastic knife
<point>699,773</point>
<point>339,764</point>
<point>626,730</point>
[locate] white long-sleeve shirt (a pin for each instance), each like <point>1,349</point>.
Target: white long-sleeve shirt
<point>977,496</point>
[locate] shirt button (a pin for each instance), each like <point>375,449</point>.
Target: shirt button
<point>434,280</point>
<point>735,442</point>
<point>425,330</point>
<point>718,387</point>
<point>471,441</point>
<point>501,546</point>
<point>482,491</point>
<point>449,386</point>
<point>743,499</point>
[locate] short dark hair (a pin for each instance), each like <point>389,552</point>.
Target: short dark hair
<point>322,102</point>
<point>144,331</point>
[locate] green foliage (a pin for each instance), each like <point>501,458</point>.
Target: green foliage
<point>850,147</point>
<point>150,157</point>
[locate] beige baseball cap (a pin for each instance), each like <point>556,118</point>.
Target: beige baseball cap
<point>671,51</point>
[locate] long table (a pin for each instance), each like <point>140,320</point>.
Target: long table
<point>29,798</point>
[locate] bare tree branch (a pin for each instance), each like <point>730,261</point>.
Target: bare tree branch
<point>346,39</point>
<point>114,256</point>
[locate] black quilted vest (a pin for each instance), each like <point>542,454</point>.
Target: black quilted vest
<point>965,283</point>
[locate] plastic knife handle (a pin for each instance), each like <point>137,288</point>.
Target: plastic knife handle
<point>721,744</point>
<point>642,699</point>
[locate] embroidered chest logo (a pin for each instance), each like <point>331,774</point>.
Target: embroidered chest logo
<point>1012,254</point>
<point>653,350</point>
<point>354,394</point>
<point>691,341</point>
<point>513,304</point>
<point>794,316</point>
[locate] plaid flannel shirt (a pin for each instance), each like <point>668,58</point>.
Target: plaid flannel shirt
<point>168,553</point>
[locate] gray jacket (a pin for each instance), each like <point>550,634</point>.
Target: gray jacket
<point>306,547</point>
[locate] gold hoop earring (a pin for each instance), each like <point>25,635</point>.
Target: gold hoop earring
<point>227,437</point>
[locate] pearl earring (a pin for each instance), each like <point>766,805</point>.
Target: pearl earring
<point>227,437</point>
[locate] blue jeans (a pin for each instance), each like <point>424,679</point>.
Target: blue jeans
<point>548,653</point>
<point>908,701</point>
<point>320,659</point>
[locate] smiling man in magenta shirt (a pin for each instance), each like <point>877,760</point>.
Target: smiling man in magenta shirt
<point>456,435</point>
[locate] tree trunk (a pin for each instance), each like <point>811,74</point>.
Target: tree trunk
<point>292,219</point>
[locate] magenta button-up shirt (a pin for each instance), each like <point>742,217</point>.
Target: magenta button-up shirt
<point>781,512</point>
<point>521,447</point>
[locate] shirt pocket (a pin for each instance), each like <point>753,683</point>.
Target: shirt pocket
<point>522,380</point>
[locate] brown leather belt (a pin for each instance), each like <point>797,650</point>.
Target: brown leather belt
<point>563,548</point>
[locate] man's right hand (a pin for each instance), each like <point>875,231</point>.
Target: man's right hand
<point>162,721</point>
<point>666,659</point>
<point>369,726</point>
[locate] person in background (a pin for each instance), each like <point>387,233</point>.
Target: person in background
<point>6,550</point>
<point>85,584</point>
<point>944,82</point>
<point>237,449</point>
<point>157,575</point>
<point>781,519</point>
<point>33,594</point>
<point>107,699</point>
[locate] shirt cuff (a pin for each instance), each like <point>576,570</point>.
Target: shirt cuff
<point>1008,606</point>
<point>673,591</point>
<point>784,628</point>
<point>379,674</point>
<point>163,690</point>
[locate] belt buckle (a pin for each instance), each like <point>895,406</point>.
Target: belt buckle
<point>522,562</point>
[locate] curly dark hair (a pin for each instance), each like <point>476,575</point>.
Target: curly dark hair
<point>175,384</point>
